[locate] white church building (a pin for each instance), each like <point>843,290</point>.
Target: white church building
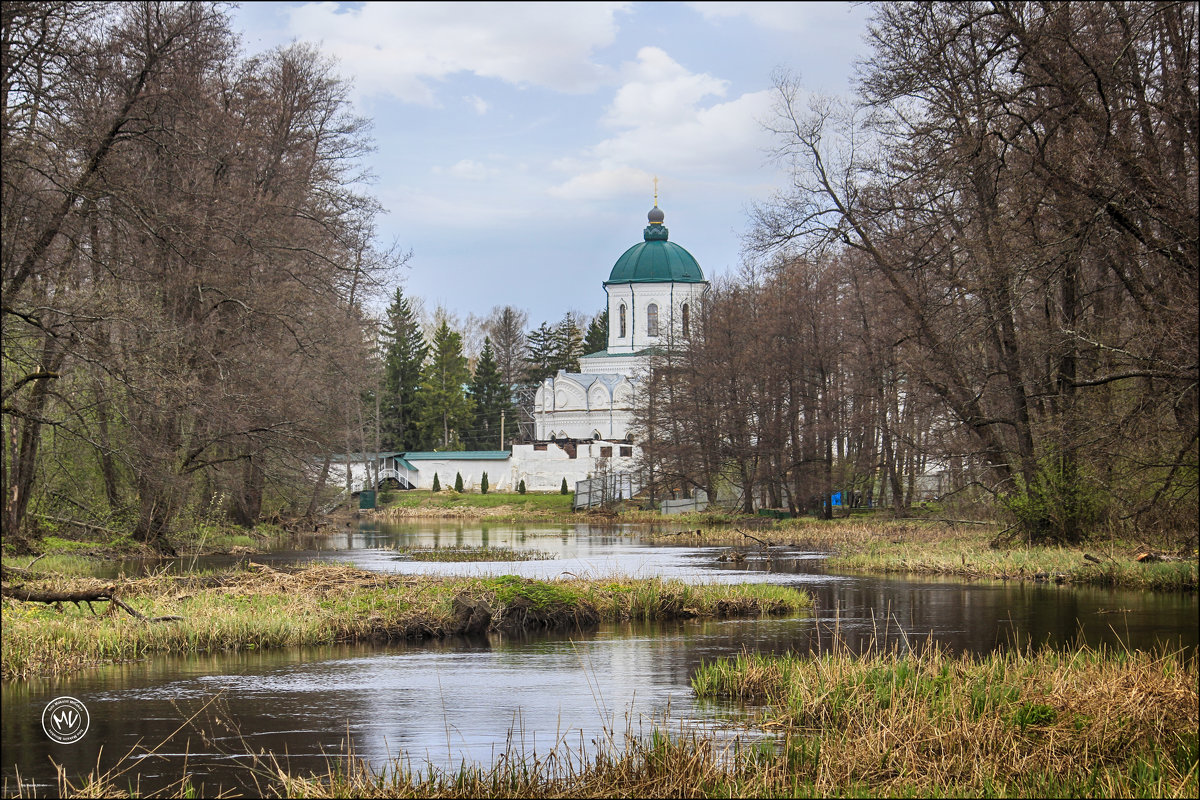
<point>654,291</point>
<point>581,419</point>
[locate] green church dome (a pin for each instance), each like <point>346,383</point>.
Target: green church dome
<point>656,260</point>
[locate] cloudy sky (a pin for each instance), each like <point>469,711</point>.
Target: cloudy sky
<point>517,143</point>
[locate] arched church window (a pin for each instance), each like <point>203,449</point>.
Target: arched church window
<point>652,319</point>
<point>622,315</point>
<point>686,321</point>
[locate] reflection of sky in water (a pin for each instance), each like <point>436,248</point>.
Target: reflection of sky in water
<point>455,700</point>
<point>439,704</point>
<point>576,551</point>
<point>584,551</point>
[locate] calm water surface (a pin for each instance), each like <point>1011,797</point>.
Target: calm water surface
<point>445,702</point>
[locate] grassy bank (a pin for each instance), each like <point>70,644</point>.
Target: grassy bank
<point>259,607</point>
<point>82,543</point>
<point>935,548</point>
<point>423,503</point>
<point>470,553</point>
<point>1080,723</point>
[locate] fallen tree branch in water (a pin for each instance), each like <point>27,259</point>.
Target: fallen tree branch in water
<point>77,596</point>
<point>755,538</point>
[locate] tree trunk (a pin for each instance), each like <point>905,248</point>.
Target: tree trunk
<point>247,503</point>
<point>22,467</point>
<point>312,502</point>
<point>156,513</point>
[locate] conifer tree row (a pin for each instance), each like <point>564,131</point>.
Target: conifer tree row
<point>444,408</point>
<point>404,352</point>
<point>491,400</point>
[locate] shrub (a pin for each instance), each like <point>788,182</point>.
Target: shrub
<point>458,487</point>
<point>483,484</point>
<point>563,489</point>
<point>437,486</point>
<point>521,487</point>
<point>1060,507</point>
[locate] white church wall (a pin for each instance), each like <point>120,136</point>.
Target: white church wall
<point>611,424</point>
<point>471,470</point>
<point>608,364</point>
<point>544,470</point>
<point>567,406</point>
<point>637,298</point>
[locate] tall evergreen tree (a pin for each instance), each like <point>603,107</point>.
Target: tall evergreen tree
<point>540,354</point>
<point>597,334</point>
<point>491,398</point>
<point>444,407</point>
<point>568,344</point>
<point>404,353</point>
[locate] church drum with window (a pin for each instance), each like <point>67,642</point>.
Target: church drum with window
<point>653,291</point>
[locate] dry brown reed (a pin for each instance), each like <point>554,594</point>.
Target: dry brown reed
<point>1094,722</point>
<point>955,550</point>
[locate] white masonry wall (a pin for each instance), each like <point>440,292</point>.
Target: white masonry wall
<point>637,297</point>
<point>542,470</point>
<point>471,470</point>
<point>571,406</point>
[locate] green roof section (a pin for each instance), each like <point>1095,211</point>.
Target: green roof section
<point>342,458</point>
<point>457,455</point>
<point>656,260</point>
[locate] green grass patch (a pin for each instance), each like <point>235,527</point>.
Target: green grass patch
<point>471,553</point>
<point>57,544</point>
<point>493,505</point>
<point>258,607</point>
<point>69,565</point>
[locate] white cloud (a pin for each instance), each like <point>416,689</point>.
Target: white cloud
<point>476,102</point>
<point>467,169</point>
<point>397,48</point>
<point>657,90</point>
<point>604,183</point>
<point>664,127</point>
<point>803,17</point>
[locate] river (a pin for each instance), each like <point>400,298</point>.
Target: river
<point>446,702</point>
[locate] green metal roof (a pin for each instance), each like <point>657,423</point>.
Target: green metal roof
<point>656,260</point>
<point>458,455</point>
<point>342,458</point>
